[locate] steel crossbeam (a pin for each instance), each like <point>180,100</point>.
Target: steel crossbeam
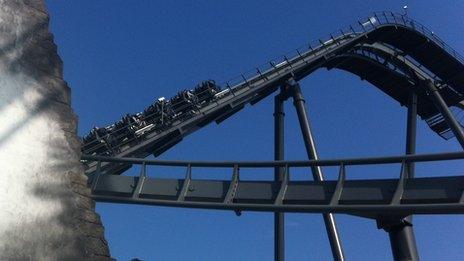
<point>371,197</point>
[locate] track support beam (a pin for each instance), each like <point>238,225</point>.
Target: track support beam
<point>441,105</point>
<point>329,219</point>
<point>279,221</point>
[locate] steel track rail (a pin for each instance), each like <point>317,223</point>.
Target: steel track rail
<point>264,83</point>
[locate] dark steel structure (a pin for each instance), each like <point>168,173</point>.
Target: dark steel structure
<point>396,54</point>
<point>370,197</point>
<point>279,218</point>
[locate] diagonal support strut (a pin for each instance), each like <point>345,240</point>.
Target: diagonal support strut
<point>329,219</point>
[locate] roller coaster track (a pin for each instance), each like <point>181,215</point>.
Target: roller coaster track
<point>394,53</point>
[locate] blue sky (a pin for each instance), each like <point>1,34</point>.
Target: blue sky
<point>119,56</point>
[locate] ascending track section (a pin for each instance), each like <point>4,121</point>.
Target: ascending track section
<point>399,56</point>
<point>393,52</point>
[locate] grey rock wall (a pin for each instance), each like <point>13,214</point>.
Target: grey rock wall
<point>45,208</point>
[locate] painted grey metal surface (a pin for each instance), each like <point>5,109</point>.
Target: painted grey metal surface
<point>382,51</point>
<point>400,229</point>
<point>279,150</point>
<point>310,144</point>
<point>396,31</point>
<point>371,197</point>
<point>441,105</point>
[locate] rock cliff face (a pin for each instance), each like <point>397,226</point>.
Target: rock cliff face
<point>45,209</point>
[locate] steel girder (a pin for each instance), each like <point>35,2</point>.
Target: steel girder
<point>369,197</point>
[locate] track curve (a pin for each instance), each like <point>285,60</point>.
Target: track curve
<point>402,55</point>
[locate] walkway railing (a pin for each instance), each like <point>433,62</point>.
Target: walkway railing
<point>361,26</point>
<point>403,196</point>
<point>287,163</point>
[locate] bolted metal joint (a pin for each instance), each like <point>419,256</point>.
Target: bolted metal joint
<point>285,92</point>
<point>291,88</point>
<point>401,236</point>
<point>390,224</point>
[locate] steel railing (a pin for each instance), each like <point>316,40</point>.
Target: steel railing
<point>108,188</point>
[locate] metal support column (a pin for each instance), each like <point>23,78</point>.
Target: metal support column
<point>330,225</point>
<point>411,129</point>
<point>445,111</point>
<point>400,230</point>
<point>279,230</point>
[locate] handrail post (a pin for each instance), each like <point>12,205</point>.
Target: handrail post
<point>96,177</point>
<point>229,198</point>
<point>386,17</point>
<point>330,224</point>
<point>261,75</point>
<point>282,189</point>
<point>185,184</point>
<point>230,89</point>
<point>301,56</point>
<point>339,187</point>
<point>288,63</point>
<point>140,181</point>
<point>352,29</point>
<point>245,80</point>
<point>399,191</point>
<point>361,24</point>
